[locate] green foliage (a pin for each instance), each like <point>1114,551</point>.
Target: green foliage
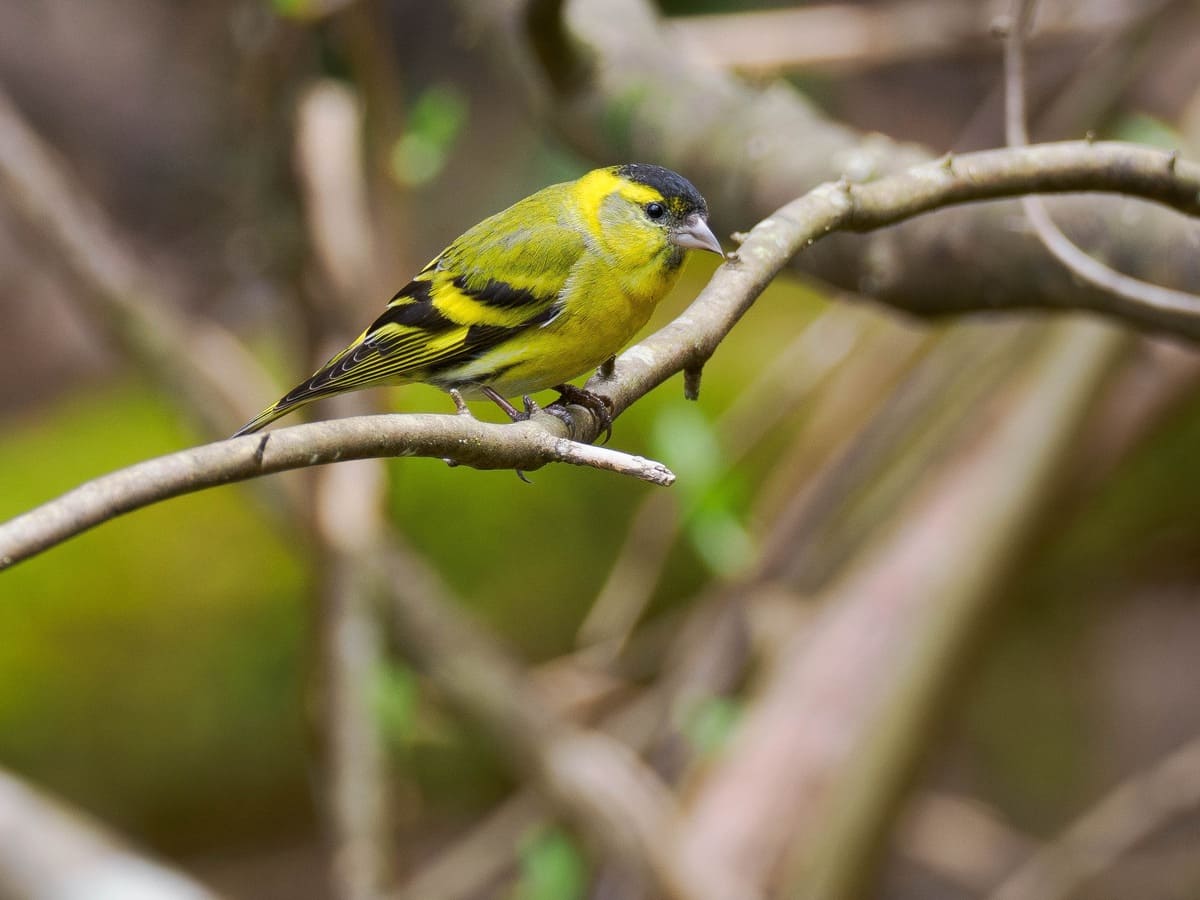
<point>292,9</point>
<point>434,124</point>
<point>150,668</point>
<point>1141,128</point>
<point>551,867</point>
<point>396,700</point>
<point>710,724</point>
<point>712,494</point>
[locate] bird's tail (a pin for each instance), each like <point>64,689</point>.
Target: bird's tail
<point>267,416</point>
<point>322,384</point>
<point>358,366</point>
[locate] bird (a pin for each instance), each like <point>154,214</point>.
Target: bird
<point>530,298</point>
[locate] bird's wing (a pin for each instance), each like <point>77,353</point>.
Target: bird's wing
<point>502,277</point>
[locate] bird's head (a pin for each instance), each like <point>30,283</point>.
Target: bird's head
<point>639,204</point>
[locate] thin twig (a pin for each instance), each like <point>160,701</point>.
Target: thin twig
<point>850,37</point>
<point>1131,812</point>
<point>1132,291</point>
<point>960,839</point>
<point>213,387</point>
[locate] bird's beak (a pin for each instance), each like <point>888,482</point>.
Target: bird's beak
<point>696,235</point>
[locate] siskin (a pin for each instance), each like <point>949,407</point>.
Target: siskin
<point>531,297</point>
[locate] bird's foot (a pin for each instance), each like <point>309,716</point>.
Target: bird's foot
<point>513,413</point>
<point>598,405</point>
<point>509,410</point>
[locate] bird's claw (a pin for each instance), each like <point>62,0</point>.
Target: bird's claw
<point>597,404</point>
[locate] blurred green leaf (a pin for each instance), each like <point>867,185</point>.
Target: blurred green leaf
<point>551,867</point>
<point>682,431</point>
<point>721,540</point>
<point>711,722</point>
<point>1141,128</point>
<point>712,522</point>
<point>434,124</point>
<point>396,699</point>
<point>292,9</point>
<point>151,669</point>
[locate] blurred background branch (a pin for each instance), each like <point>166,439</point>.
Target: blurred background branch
<point>763,146</point>
<point>50,852</point>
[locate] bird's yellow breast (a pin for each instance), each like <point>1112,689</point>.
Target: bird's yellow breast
<point>606,300</point>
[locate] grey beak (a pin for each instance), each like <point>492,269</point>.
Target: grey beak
<point>696,235</point>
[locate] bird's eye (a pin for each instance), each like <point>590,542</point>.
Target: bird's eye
<point>655,210</point>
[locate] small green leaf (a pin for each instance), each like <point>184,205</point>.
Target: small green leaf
<point>683,434</point>
<point>291,9</point>
<point>1140,128</point>
<point>396,696</point>
<point>724,545</point>
<point>434,123</point>
<point>551,867</point>
<point>710,724</point>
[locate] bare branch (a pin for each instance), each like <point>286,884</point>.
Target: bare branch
<point>685,343</point>
<point>1133,291</point>
<point>596,781</point>
<point>50,852</point>
<point>961,839</point>
<point>1131,812</point>
<point>752,148</point>
<point>817,776</point>
<point>849,36</point>
<point>214,382</point>
<point>523,445</point>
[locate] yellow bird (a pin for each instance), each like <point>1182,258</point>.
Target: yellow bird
<point>531,297</point>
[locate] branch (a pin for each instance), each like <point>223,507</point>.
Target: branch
<point>1132,291</point>
<point>791,381</point>
<point>751,149</point>
<point>215,377</point>
<point>523,445</point>
<point>1131,812</point>
<point>50,852</point>
<point>596,781</point>
<point>348,516</point>
<point>817,777</point>
<point>683,345</point>
<point>850,37</point>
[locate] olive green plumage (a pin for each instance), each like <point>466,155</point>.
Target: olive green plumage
<point>531,297</point>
